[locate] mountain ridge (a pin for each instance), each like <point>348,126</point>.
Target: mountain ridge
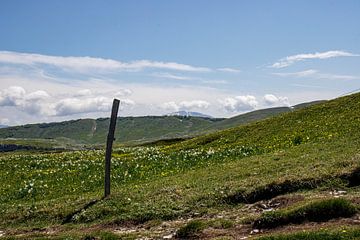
<point>138,130</point>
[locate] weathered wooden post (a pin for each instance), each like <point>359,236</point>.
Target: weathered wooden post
<point>109,143</point>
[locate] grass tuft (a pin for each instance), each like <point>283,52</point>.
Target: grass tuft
<point>191,229</point>
<point>315,212</point>
<point>221,223</point>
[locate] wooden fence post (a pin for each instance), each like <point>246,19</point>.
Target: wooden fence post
<point>109,143</point>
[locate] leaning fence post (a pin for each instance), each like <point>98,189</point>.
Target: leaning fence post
<point>109,143</point>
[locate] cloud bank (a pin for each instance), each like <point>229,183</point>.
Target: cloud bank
<point>239,103</point>
<point>185,105</point>
<point>42,103</point>
<point>272,100</point>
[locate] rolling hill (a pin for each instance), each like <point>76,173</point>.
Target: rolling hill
<point>136,130</point>
<point>139,129</point>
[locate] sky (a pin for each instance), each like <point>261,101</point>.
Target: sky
<point>65,59</point>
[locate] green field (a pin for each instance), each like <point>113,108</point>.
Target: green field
<point>293,165</point>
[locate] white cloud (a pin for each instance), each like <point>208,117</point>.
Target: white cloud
<point>39,108</point>
<point>297,74</point>
<point>123,92</point>
<point>32,103</point>
<point>172,76</point>
<point>316,74</point>
<point>42,104</point>
<point>229,70</point>
<point>12,96</point>
<point>287,61</point>
<point>36,103</point>
<point>70,106</point>
<point>272,100</point>
<point>239,103</point>
<point>170,106</point>
<point>188,78</point>
<point>37,96</point>
<point>85,64</point>
<point>86,93</point>
<point>307,86</point>
<point>215,81</point>
<point>83,92</point>
<point>185,105</point>
<point>194,104</point>
<point>126,103</point>
<point>336,77</point>
<point>4,121</point>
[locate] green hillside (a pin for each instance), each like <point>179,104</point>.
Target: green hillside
<point>133,130</point>
<point>128,129</point>
<point>297,172</point>
<point>258,115</point>
<point>249,117</point>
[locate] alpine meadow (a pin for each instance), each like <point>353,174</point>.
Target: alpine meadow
<point>229,181</point>
<point>181,119</point>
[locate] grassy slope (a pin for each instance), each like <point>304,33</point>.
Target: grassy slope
<point>248,118</point>
<point>192,178</point>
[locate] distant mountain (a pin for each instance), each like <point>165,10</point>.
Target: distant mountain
<point>138,130</point>
<point>189,114</point>
<point>3,126</point>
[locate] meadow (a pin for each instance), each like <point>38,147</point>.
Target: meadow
<point>311,154</point>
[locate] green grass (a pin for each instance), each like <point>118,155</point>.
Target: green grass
<point>318,211</point>
<point>348,234</point>
<point>318,145</point>
<point>98,235</point>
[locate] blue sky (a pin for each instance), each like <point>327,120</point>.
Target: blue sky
<point>67,59</point>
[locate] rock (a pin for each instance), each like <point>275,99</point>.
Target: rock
<point>336,193</point>
<point>168,236</point>
<point>124,231</point>
<point>263,206</point>
<point>268,210</point>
